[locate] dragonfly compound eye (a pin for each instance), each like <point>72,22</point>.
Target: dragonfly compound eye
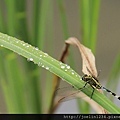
<point>84,76</point>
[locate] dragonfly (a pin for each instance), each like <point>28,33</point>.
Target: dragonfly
<point>94,83</point>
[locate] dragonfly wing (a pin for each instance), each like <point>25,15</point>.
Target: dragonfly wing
<point>68,93</point>
<point>65,90</point>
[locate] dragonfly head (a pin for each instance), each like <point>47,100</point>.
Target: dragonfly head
<point>85,77</point>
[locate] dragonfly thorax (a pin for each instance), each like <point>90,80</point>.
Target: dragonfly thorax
<point>92,81</point>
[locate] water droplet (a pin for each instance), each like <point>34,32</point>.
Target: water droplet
<point>36,48</point>
<point>30,59</point>
<point>39,64</point>
<point>1,45</point>
<point>73,73</point>
<point>40,55</point>
<point>62,67</point>
<point>47,68</point>
<point>43,66</point>
<point>24,44</point>
<point>65,69</point>
<point>46,54</point>
<point>68,67</point>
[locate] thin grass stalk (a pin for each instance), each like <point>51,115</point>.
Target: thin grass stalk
<point>63,17</point>
<point>16,86</point>
<point>35,20</point>
<point>94,16</point>
<point>42,15</point>
<point>21,20</point>
<point>85,21</point>
<point>11,16</point>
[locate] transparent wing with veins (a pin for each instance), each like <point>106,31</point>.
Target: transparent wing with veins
<point>68,93</point>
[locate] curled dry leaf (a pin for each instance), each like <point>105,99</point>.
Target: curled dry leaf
<point>88,65</point>
<point>88,58</point>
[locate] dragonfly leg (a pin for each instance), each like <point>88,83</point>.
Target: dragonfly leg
<point>92,92</point>
<point>83,86</point>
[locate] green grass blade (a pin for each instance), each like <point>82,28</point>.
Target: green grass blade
<point>45,61</point>
<point>11,16</point>
<point>42,15</point>
<point>16,84</point>
<point>89,22</point>
<point>35,20</point>
<point>22,21</point>
<point>94,15</point>
<point>85,21</point>
<point>63,19</point>
<point>9,103</point>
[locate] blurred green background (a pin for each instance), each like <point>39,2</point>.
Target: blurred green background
<point>26,88</point>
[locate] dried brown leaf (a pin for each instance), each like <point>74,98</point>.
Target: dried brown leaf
<point>88,58</point>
